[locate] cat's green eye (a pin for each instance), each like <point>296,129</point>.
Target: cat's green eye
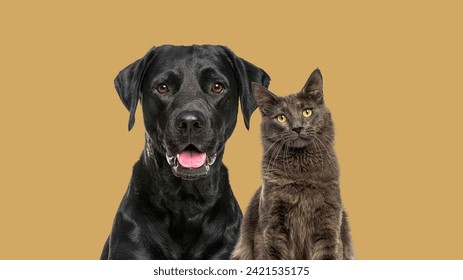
<point>307,113</point>
<point>281,118</point>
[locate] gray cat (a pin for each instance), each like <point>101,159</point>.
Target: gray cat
<point>297,213</point>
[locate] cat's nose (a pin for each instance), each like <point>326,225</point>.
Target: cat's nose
<point>297,129</point>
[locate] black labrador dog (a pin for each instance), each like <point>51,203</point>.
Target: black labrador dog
<point>179,204</point>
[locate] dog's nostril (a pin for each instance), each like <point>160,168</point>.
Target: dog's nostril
<point>198,124</point>
<point>181,125</point>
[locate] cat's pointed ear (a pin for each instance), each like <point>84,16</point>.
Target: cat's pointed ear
<point>128,83</point>
<point>313,88</point>
<point>263,96</point>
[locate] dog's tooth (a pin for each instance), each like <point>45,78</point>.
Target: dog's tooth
<point>170,159</point>
<point>207,167</point>
<point>211,159</point>
<point>174,163</point>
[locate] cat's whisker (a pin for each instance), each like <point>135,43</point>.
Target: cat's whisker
<point>285,159</point>
<point>329,156</point>
<point>274,143</point>
<point>277,142</point>
<point>280,149</point>
<point>275,153</point>
<point>320,151</point>
<point>274,156</point>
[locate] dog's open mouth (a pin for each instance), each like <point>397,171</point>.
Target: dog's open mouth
<point>191,164</point>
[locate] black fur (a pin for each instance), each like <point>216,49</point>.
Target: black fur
<point>173,212</point>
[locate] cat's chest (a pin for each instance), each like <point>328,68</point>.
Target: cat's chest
<point>303,200</point>
<point>296,201</point>
<point>300,217</point>
<point>299,205</point>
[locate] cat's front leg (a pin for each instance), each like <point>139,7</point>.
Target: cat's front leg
<point>272,244</point>
<point>244,249</point>
<point>326,236</point>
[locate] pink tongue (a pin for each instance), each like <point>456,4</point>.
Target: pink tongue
<point>191,159</point>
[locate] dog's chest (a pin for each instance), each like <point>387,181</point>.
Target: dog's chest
<point>189,237</point>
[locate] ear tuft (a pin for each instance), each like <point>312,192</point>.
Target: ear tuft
<point>313,88</point>
<point>263,96</point>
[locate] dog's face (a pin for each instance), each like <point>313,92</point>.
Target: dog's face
<point>189,96</point>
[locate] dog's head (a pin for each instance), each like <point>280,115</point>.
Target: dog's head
<point>189,96</point>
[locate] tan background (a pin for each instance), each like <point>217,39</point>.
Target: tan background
<point>393,80</point>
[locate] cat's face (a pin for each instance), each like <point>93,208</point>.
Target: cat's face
<point>297,120</point>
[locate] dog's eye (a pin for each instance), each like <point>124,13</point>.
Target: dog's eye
<point>162,88</point>
<point>217,88</point>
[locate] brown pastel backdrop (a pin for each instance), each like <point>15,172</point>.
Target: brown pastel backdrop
<point>393,80</point>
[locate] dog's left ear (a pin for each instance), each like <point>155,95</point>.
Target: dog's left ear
<point>128,83</point>
<point>246,74</point>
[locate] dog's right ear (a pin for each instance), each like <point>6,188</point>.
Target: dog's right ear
<point>256,75</point>
<point>128,83</point>
<point>247,73</point>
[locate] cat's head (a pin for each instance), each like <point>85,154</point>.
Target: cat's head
<point>297,120</point>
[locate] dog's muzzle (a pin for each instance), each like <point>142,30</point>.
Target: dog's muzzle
<point>191,164</point>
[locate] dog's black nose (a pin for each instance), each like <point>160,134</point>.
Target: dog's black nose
<point>190,121</point>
